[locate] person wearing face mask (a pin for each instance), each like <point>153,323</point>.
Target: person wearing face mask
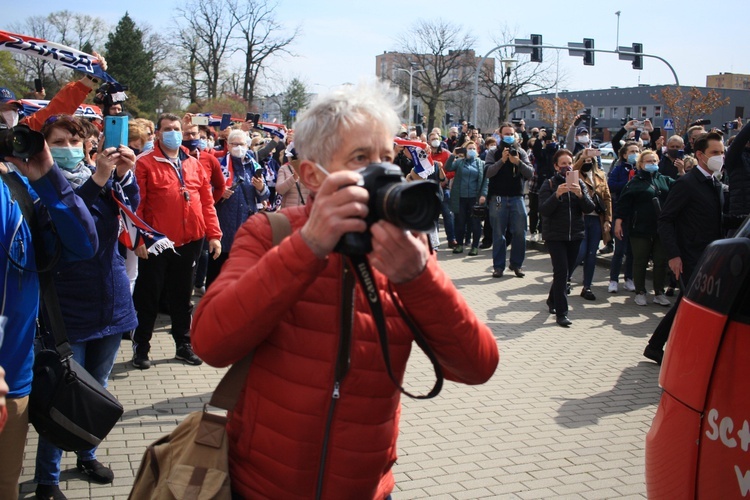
<point>240,200</point>
<point>440,155</point>
<point>148,140</point>
<point>690,219</point>
<point>94,295</point>
<point>578,135</point>
<point>672,163</point>
<point>562,206</point>
<point>507,169</point>
<point>543,149</point>
<point>469,188</point>
<point>637,209</point>
<point>618,177</point>
<point>176,200</point>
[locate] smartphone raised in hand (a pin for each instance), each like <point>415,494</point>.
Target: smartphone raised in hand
<point>571,178</point>
<point>115,131</point>
<point>38,84</point>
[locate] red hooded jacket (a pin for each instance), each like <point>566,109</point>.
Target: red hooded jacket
<point>289,436</point>
<point>164,203</point>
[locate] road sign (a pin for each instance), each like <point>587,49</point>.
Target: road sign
<point>265,116</point>
<point>292,113</point>
<point>668,124</point>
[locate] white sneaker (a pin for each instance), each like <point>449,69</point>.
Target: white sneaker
<point>662,300</point>
<point>629,286</point>
<point>640,299</point>
<point>612,288</point>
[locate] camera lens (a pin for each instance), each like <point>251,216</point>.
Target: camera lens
<point>21,142</point>
<point>415,205</point>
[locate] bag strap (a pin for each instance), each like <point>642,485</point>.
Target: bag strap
<point>296,183</point>
<point>44,265</point>
<point>228,391</point>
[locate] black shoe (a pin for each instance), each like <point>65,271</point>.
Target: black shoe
<point>485,244</point>
<point>609,248</point>
<point>49,492</point>
<point>551,308</point>
<point>497,273</point>
<point>567,288</point>
<point>185,353</point>
<point>587,294</point>
<point>669,292</point>
<point>96,470</point>
<point>654,354</point>
<point>141,361</point>
<point>517,270</point>
<point>564,321</point>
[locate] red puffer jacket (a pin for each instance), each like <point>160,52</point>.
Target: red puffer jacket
<point>289,437</point>
<point>164,205</point>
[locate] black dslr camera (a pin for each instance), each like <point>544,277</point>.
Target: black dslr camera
<point>409,205</point>
<point>20,141</point>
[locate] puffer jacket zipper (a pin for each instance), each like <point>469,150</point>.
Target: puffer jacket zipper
<point>342,361</point>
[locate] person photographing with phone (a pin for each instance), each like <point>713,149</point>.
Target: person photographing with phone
<point>563,201</point>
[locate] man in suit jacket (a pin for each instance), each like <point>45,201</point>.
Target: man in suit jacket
<point>690,220</point>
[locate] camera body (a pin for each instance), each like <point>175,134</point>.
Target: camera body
<point>20,142</point>
<point>413,206</point>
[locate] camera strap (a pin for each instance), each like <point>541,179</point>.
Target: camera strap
<point>363,271</point>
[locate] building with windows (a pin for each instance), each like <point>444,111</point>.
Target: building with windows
<point>728,81</point>
<point>612,105</point>
<point>387,63</point>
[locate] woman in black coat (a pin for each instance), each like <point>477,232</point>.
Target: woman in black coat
<point>562,206</point>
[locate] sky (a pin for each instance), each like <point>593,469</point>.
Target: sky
<point>340,39</point>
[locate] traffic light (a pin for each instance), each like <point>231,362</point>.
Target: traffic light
<point>536,48</point>
<point>594,121</point>
<point>416,113</point>
<point>448,118</point>
<point>588,57</point>
<point>623,121</point>
<point>420,118</point>
<point>638,59</point>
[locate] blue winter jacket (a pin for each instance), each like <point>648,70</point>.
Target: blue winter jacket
<point>95,293</point>
<point>234,211</point>
<point>66,223</point>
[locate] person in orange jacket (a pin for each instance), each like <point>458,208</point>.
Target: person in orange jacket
<point>318,417</point>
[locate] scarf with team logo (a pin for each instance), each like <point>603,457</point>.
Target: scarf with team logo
<point>133,231</point>
<point>423,167</point>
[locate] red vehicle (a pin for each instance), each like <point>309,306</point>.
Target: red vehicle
<point>699,442</point>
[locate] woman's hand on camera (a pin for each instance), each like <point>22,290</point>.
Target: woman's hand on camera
<point>340,207</point>
<point>397,253</point>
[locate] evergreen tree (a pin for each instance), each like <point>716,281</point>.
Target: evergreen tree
<point>296,98</point>
<point>132,65</point>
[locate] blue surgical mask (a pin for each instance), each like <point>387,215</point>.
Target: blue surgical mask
<point>67,158</point>
<point>651,168</point>
<point>566,168</point>
<point>202,144</point>
<point>509,139</point>
<point>148,146</point>
<point>471,153</point>
<point>632,158</point>
<point>191,144</point>
<point>172,139</point>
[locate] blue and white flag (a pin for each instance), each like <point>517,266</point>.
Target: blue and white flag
<point>423,167</point>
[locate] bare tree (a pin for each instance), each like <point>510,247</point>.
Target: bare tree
<point>32,67</point>
<point>510,87</point>
<point>213,24</point>
<point>445,54</point>
<point>262,37</point>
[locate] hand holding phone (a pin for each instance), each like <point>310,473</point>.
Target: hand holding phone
<point>571,178</point>
<point>199,120</point>
<point>115,131</point>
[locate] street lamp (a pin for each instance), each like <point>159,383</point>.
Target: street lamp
<point>509,63</point>
<point>411,72</point>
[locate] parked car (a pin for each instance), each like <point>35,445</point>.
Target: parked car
<point>608,155</point>
<point>698,443</point>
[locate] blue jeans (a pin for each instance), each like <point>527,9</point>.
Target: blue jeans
<point>98,357</point>
<point>463,216</point>
<point>450,231</point>
<point>589,247</point>
<point>622,249</point>
<point>508,211</point>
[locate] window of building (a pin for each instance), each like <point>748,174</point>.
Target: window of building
<point>600,112</point>
<point>657,110</point>
<point>533,115</point>
<point>628,112</point>
<point>523,114</point>
<point>614,112</point>
<point>643,111</point>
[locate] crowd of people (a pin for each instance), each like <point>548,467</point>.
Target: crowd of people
<point>195,193</point>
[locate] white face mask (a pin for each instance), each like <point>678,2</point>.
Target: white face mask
<point>10,117</point>
<point>715,163</point>
<point>583,139</point>
<point>211,144</point>
<point>238,152</point>
<point>435,143</point>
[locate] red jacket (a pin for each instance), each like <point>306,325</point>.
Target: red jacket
<point>212,167</point>
<point>163,203</point>
<point>65,102</point>
<point>285,303</point>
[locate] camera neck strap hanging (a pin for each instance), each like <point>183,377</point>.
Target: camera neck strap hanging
<point>363,271</point>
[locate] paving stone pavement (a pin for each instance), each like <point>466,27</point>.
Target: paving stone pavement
<point>564,416</point>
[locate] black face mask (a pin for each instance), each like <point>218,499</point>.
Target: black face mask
<point>586,167</point>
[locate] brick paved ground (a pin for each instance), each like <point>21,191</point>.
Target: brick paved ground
<point>564,416</point>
